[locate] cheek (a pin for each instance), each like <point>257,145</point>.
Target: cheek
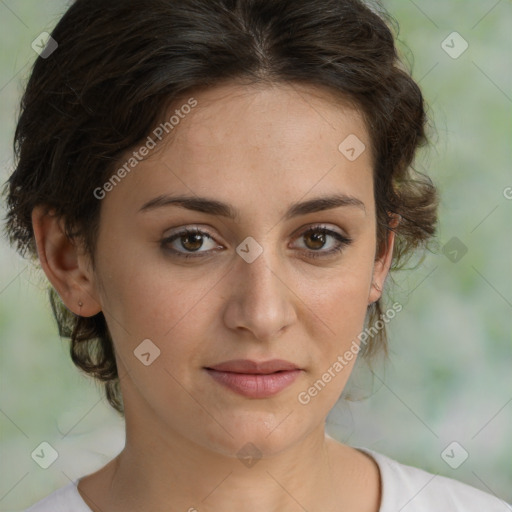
<point>149,304</point>
<point>339,305</point>
<point>149,299</point>
<point>342,308</point>
<point>145,304</point>
<point>340,296</point>
<point>142,291</point>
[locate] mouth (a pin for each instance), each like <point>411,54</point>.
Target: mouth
<point>255,379</point>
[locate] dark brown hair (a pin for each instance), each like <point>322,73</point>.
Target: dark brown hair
<point>119,64</point>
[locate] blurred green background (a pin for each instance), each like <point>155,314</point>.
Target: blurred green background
<point>448,378</point>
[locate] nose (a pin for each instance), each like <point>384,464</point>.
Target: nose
<point>261,303</point>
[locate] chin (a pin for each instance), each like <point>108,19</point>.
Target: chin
<point>257,434</point>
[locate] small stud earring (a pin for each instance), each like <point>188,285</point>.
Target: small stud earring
<point>80,303</point>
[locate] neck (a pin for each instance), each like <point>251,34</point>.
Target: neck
<point>159,471</point>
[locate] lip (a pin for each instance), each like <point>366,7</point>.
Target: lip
<point>253,367</point>
<point>255,379</point>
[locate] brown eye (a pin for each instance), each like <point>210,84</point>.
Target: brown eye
<point>187,242</point>
<point>316,238</point>
<point>191,241</point>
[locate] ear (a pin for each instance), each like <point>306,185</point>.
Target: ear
<point>64,263</point>
<point>383,261</point>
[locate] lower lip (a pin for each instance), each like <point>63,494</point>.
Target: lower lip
<point>255,386</point>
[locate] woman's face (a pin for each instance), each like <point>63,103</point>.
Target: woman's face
<point>258,286</point>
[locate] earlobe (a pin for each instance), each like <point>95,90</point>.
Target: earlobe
<point>67,269</point>
<point>383,263</point>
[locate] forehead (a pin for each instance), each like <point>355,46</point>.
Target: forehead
<point>288,118</point>
<point>272,141</point>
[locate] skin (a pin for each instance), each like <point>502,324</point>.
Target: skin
<point>259,149</point>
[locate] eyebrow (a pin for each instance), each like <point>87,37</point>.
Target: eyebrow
<point>214,207</point>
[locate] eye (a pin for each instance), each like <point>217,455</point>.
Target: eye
<point>187,243</point>
<point>189,240</point>
<point>317,237</point>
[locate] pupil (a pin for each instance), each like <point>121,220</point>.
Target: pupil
<point>196,239</point>
<point>319,238</point>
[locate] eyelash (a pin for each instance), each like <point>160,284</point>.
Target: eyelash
<point>343,242</point>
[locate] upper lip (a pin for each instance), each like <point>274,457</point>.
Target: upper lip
<point>253,367</point>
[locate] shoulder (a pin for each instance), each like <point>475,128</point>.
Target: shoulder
<point>62,500</point>
<point>410,489</point>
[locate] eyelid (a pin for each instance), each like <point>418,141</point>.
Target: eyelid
<point>187,228</point>
<point>319,226</point>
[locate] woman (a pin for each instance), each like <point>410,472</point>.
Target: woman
<point>216,191</point>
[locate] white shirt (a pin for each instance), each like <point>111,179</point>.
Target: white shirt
<point>404,489</point>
